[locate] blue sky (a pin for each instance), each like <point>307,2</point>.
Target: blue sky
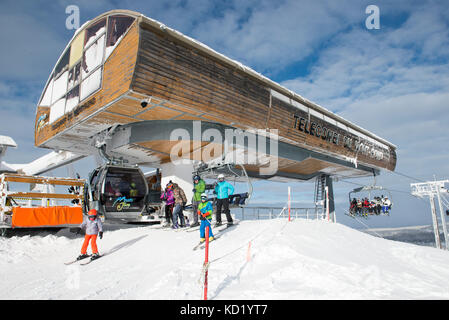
<point>393,81</point>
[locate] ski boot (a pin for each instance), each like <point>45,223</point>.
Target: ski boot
<point>82,256</point>
<point>95,256</point>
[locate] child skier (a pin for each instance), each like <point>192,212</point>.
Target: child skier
<point>205,213</point>
<point>93,227</point>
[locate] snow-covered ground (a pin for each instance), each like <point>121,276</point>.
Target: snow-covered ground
<point>288,260</point>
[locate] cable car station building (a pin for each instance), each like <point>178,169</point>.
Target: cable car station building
<point>139,92</point>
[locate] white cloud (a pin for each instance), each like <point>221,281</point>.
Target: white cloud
<point>270,35</point>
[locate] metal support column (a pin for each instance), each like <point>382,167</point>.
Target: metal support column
<point>330,198</point>
<point>443,220</point>
<point>435,222</point>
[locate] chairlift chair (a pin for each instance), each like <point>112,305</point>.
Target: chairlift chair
<point>232,172</point>
<point>371,192</point>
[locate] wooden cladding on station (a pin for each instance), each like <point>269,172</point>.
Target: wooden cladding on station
<point>175,72</point>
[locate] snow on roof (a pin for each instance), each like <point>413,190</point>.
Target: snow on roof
<point>7,141</point>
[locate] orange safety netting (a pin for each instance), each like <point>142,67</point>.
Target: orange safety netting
<point>50,216</point>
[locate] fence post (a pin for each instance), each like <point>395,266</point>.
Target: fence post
<point>289,203</point>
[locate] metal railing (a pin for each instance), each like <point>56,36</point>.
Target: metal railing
<point>261,213</point>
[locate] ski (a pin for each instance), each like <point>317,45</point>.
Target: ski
<point>193,229</point>
<point>76,260</point>
<point>202,245</point>
<point>90,260</point>
<point>197,246</point>
<point>179,229</point>
<point>218,233</point>
<point>226,226</point>
<point>355,216</point>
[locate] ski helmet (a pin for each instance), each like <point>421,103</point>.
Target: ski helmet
<point>196,177</point>
<point>221,176</point>
<point>92,213</point>
<point>204,196</point>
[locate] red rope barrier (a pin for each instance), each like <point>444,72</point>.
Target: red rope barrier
<point>206,262</point>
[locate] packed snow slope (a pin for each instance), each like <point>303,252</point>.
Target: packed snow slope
<point>286,260</point>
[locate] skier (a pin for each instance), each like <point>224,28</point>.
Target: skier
<point>223,190</point>
<point>169,199</point>
<point>205,213</point>
<point>386,205</point>
<point>93,227</point>
<point>359,206</point>
<point>365,207</point>
<point>353,206</point>
<point>199,186</point>
<point>180,202</point>
<point>133,192</point>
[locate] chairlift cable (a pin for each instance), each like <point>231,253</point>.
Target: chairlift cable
<point>387,189</point>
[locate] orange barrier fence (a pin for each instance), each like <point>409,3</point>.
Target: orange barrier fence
<point>49,216</point>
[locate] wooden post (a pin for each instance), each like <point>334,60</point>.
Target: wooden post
<point>206,262</point>
<point>289,203</point>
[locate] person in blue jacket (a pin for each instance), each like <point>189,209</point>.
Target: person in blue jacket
<point>223,190</point>
<point>205,212</point>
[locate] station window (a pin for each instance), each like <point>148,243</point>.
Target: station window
<point>93,56</point>
<point>76,49</point>
<point>94,31</point>
<point>46,97</point>
<point>78,73</point>
<point>57,110</point>
<point>59,86</point>
<point>117,26</point>
<point>73,98</point>
<point>74,76</point>
<point>91,84</point>
<point>63,63</point>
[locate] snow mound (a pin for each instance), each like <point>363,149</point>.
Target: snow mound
<point>271,259</point>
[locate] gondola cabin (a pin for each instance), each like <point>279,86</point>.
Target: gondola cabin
<point>118,192</point>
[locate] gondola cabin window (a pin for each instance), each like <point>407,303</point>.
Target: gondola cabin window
<point>124,190</point>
